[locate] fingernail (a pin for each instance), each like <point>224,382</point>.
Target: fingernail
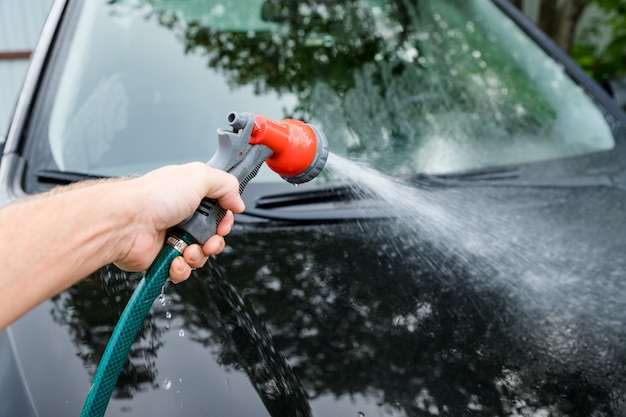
<point>178,263</point>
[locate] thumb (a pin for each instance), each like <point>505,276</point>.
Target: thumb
<point>223,187</point>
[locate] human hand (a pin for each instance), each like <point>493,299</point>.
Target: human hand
<point>165,197</point>
<point>195,256</point>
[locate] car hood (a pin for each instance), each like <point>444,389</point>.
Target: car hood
<point>490,299</point>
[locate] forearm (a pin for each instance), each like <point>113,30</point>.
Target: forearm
<point>52,241</point>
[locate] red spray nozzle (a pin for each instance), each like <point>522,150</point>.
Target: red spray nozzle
<point>299,150</point>
<point>293,149</point>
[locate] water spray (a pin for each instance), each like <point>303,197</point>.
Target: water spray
<point>293,149</point>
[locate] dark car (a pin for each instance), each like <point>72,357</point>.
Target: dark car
<point>462,253</point>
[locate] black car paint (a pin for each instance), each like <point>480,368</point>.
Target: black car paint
<point>299,317</point>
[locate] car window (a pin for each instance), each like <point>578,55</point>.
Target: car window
<point>436,86</point>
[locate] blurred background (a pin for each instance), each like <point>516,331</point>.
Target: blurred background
<point>593,32</point>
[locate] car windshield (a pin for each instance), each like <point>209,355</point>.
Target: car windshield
<point>435,86</point>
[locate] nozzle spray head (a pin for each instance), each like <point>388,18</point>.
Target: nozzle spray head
<point>291,148</point>
<point>299,150</point>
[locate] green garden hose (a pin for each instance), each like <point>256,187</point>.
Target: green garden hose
<point>128,327</point>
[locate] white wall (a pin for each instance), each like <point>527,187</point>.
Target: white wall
<point>21,22</point>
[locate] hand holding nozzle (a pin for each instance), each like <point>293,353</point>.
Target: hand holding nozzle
<point>293,149</point>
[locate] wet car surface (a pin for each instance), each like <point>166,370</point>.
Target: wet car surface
<point>461,255</point>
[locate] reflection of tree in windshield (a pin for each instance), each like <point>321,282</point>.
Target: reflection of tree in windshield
<point>383,78</point>
<point>395,320</point>
<point>315,43</point>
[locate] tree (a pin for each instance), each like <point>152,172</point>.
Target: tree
<point>610,59</point>
<point>561,20</point>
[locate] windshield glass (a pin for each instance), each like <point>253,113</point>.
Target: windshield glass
<point>432,87</point>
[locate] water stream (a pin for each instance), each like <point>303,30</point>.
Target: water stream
<point>459,220</point>
<point>555,281</point>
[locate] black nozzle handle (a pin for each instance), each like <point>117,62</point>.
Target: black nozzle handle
<point>235,156</point>
<point>202,224</point>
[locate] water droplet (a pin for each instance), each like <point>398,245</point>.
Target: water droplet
<point>168,315</point>
<point>162,299</point>
<point>294,185</point>
<point>167,383</point>
<point>181,333</point>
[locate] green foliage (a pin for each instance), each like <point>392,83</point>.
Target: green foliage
<point>610,59</point>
